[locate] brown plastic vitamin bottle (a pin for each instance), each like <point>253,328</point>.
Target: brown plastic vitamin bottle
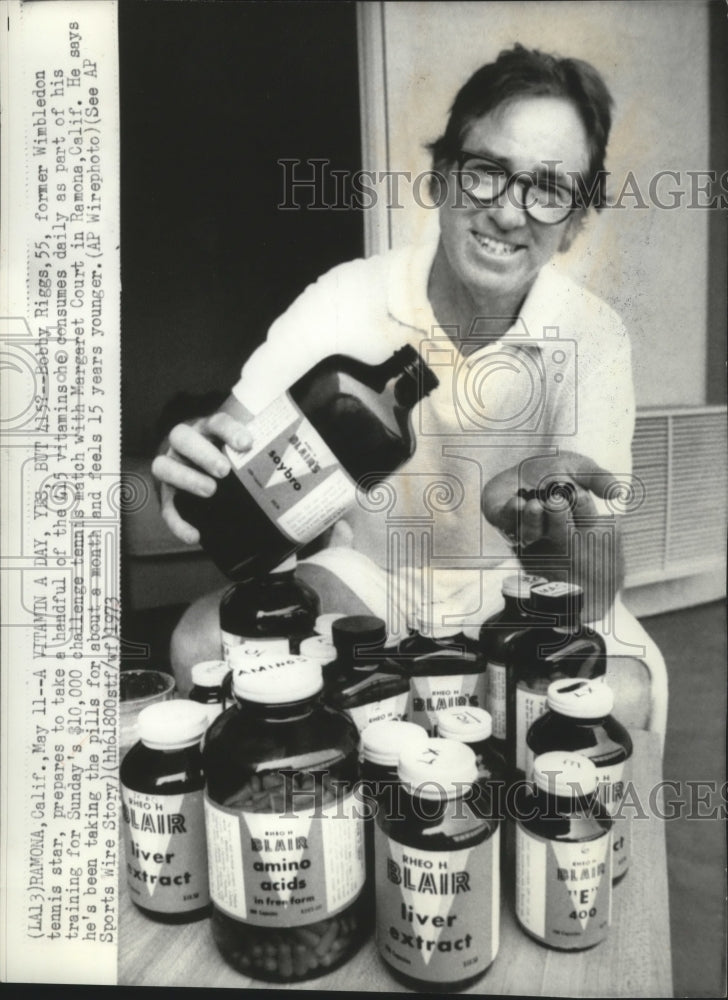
<point>286,878</point>
<point>272,613</point>
<point>208,679</point>
<point>579,719</point>
<point>361,681</point>
<point>564,856</point>
<point>437,872</point>
<point>163,814</point>
<point>495,636</point>
<point>561,647</point>
<point>343,423</point>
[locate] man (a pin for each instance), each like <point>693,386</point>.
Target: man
<point>535,377</point>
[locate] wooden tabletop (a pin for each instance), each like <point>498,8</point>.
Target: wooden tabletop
<point>633,962</point>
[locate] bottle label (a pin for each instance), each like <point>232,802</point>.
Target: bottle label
<point>612,781</point>
<point>256,647</point>
<point>291,472</point>
<point>430,695</point>
<point>437,911</point>
<point>530,705</point>
<point>394,707</point>
<point>496,697</point>
<point>166,857</point>
<point>273,870</point>
<point>564,889</point>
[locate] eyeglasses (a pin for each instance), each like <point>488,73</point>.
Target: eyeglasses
<point>484,181</point>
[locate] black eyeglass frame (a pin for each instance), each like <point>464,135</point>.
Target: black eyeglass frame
<point>522,177</point>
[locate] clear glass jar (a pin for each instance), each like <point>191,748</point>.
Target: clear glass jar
<point>579,719</point>
<point>285,880</point>
<point>564,856</point>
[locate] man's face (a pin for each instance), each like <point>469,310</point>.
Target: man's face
<point>498,250</point>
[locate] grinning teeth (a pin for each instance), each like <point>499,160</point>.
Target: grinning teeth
<point>495,246</point>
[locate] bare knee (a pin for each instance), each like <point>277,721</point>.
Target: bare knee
<point>334,595</point>
<point>196,638</point>
<point>629,679</point>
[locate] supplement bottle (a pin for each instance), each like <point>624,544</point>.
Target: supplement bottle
<point>208,679</point>
<point>579,719</point>
<point>494,638</point>
<point>285,879</point>
<point>361,681</point>
<point>272,613</point>
<point>437,872</point>
<point>343,423</point>
<point>163,814</point>
<point>561,647</point>
<point>381,744</point>
<point>564,855</point>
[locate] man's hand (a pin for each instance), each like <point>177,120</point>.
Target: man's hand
<point>545,507</point>
<point>194,462</point>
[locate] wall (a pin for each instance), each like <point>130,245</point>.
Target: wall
<point>651,264</point>
<point>212,96</point>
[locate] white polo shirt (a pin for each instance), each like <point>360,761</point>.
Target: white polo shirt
<point>560,378</point>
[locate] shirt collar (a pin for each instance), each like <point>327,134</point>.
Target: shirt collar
<point>408,303</point>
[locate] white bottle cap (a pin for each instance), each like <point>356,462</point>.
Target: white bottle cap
<point>382,742</point>
<point>580,698</point>
<point>172,725</point>
<point>439,769</point>
<point>561,773</point>
<point>519,585</point>
<point>286,566</point>
<point>466,725</point>
<point>274,680</point>
<point>324,622</point>
<point>318,647</point>
<point>209,673</point>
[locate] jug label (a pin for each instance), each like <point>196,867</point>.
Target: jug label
<point>291,472</point>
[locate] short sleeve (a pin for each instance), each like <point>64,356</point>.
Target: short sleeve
<point>325,319</point>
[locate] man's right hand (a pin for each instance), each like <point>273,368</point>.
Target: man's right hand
<point>194,462</point>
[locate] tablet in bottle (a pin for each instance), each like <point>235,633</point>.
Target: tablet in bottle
<point>285,834</point>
